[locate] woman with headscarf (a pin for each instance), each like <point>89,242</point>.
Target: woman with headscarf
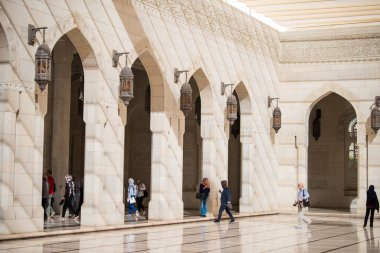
<point>371,204</point>
<point>131,198</point>
<point>68,197</point>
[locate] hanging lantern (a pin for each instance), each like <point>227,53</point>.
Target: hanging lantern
<point>43,64</point>
<point>186,98</point>
<point>276,114</point>
<point>276,119</point>
<point>231,109</point>
<point>317,124</point>
<point>375,115</point>
<point>126,85</point>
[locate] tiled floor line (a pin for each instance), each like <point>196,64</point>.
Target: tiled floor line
<point>142,233</point>
<point>273,238</point>
<point>120,227</point>
<point>316,240</point>
<point>352,244</point>
<point>203,241</point>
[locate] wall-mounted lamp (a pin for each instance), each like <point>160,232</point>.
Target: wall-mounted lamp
<point>126,78</point>
<point>231,103</point>
<point>186,92</point>
<point>317,124</point>
<point>375,115</point>
<point>276,114</point>
<point>42,57</point>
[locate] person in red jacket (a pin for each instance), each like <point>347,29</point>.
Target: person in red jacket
<point>51,182</point>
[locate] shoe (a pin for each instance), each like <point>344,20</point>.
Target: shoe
<point>216,220</point>
<point>76,218</point>
<point>51,215</point>
<point>232,221</point>
<point>364,226</point>
<point>137,214</point>
<point>144,212</point>
<point>61,218</point>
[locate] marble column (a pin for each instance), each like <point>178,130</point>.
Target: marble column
<point>167,170</point>
<point>60,115</point>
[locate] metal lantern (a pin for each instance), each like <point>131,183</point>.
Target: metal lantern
<point>126,85</point>
<point>43,64</point>
<point>375,115</point>
<point>276,119</point>
<point>231,109</point>
<point>276,114</point>
<point>186,98</point>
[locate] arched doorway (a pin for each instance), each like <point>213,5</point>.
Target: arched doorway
<point>138,136</point>
<point>234,160</point>
<point>64,128</point>
<point>332,154</point>
<point>192,150</point>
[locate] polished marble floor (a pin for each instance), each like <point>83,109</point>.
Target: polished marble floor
<point>272,233</point>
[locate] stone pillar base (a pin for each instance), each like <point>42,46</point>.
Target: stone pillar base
<point>163,210</point>
<point>13,221</point>
<point>102,215</point>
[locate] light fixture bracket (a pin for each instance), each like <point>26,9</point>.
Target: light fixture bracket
<point>177,73</point>
<point>116,56</point>
<point>32,31</point>
<point>223,87</point>
<point>270,101</point>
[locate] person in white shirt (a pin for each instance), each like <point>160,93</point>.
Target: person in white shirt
<point>302,198</point>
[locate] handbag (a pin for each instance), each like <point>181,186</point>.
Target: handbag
<point>229,205</point>
<point>198,195</point>
<point>305,203</point>
<point>146,194</point>
<point>132,200</point>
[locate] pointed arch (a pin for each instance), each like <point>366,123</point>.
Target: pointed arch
<point>156,81</point>
<point>316,97</point>
<point>204,90</point>
<point>8,49</point>
<point>245,104</point>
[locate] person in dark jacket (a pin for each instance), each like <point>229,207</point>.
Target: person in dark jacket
<point>371,204</point>
<point>45,196</point>
<point>204,190</point>
<point>68,197</point>
<point>225,202</point>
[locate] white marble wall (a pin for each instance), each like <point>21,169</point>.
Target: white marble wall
<point>216,43</point>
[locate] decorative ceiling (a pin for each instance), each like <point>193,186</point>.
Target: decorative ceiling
<point>311,14</point>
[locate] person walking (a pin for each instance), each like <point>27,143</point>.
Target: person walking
<point>45,196</point>
<point>140,195</point>
<point>77,197</point>
<point>131,199</point>
<point>68,197</point>
<point>372,204</point>
<point>225,202</point>
<point>302,202</point>
<point>52,189</point>
<point>204,190</point>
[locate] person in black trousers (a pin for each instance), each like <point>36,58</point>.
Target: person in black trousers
<point>225,202</point>
<point>371,204</point>
<point>68,197</point>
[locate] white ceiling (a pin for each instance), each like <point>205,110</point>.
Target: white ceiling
<point>309,14</point>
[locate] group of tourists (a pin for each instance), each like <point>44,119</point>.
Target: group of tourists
<point>136,194</point>
<point>72,198</point>
<point>225,199</point>
<point>302,203</point>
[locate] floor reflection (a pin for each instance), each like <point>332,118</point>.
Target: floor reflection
<point>275,233</point>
